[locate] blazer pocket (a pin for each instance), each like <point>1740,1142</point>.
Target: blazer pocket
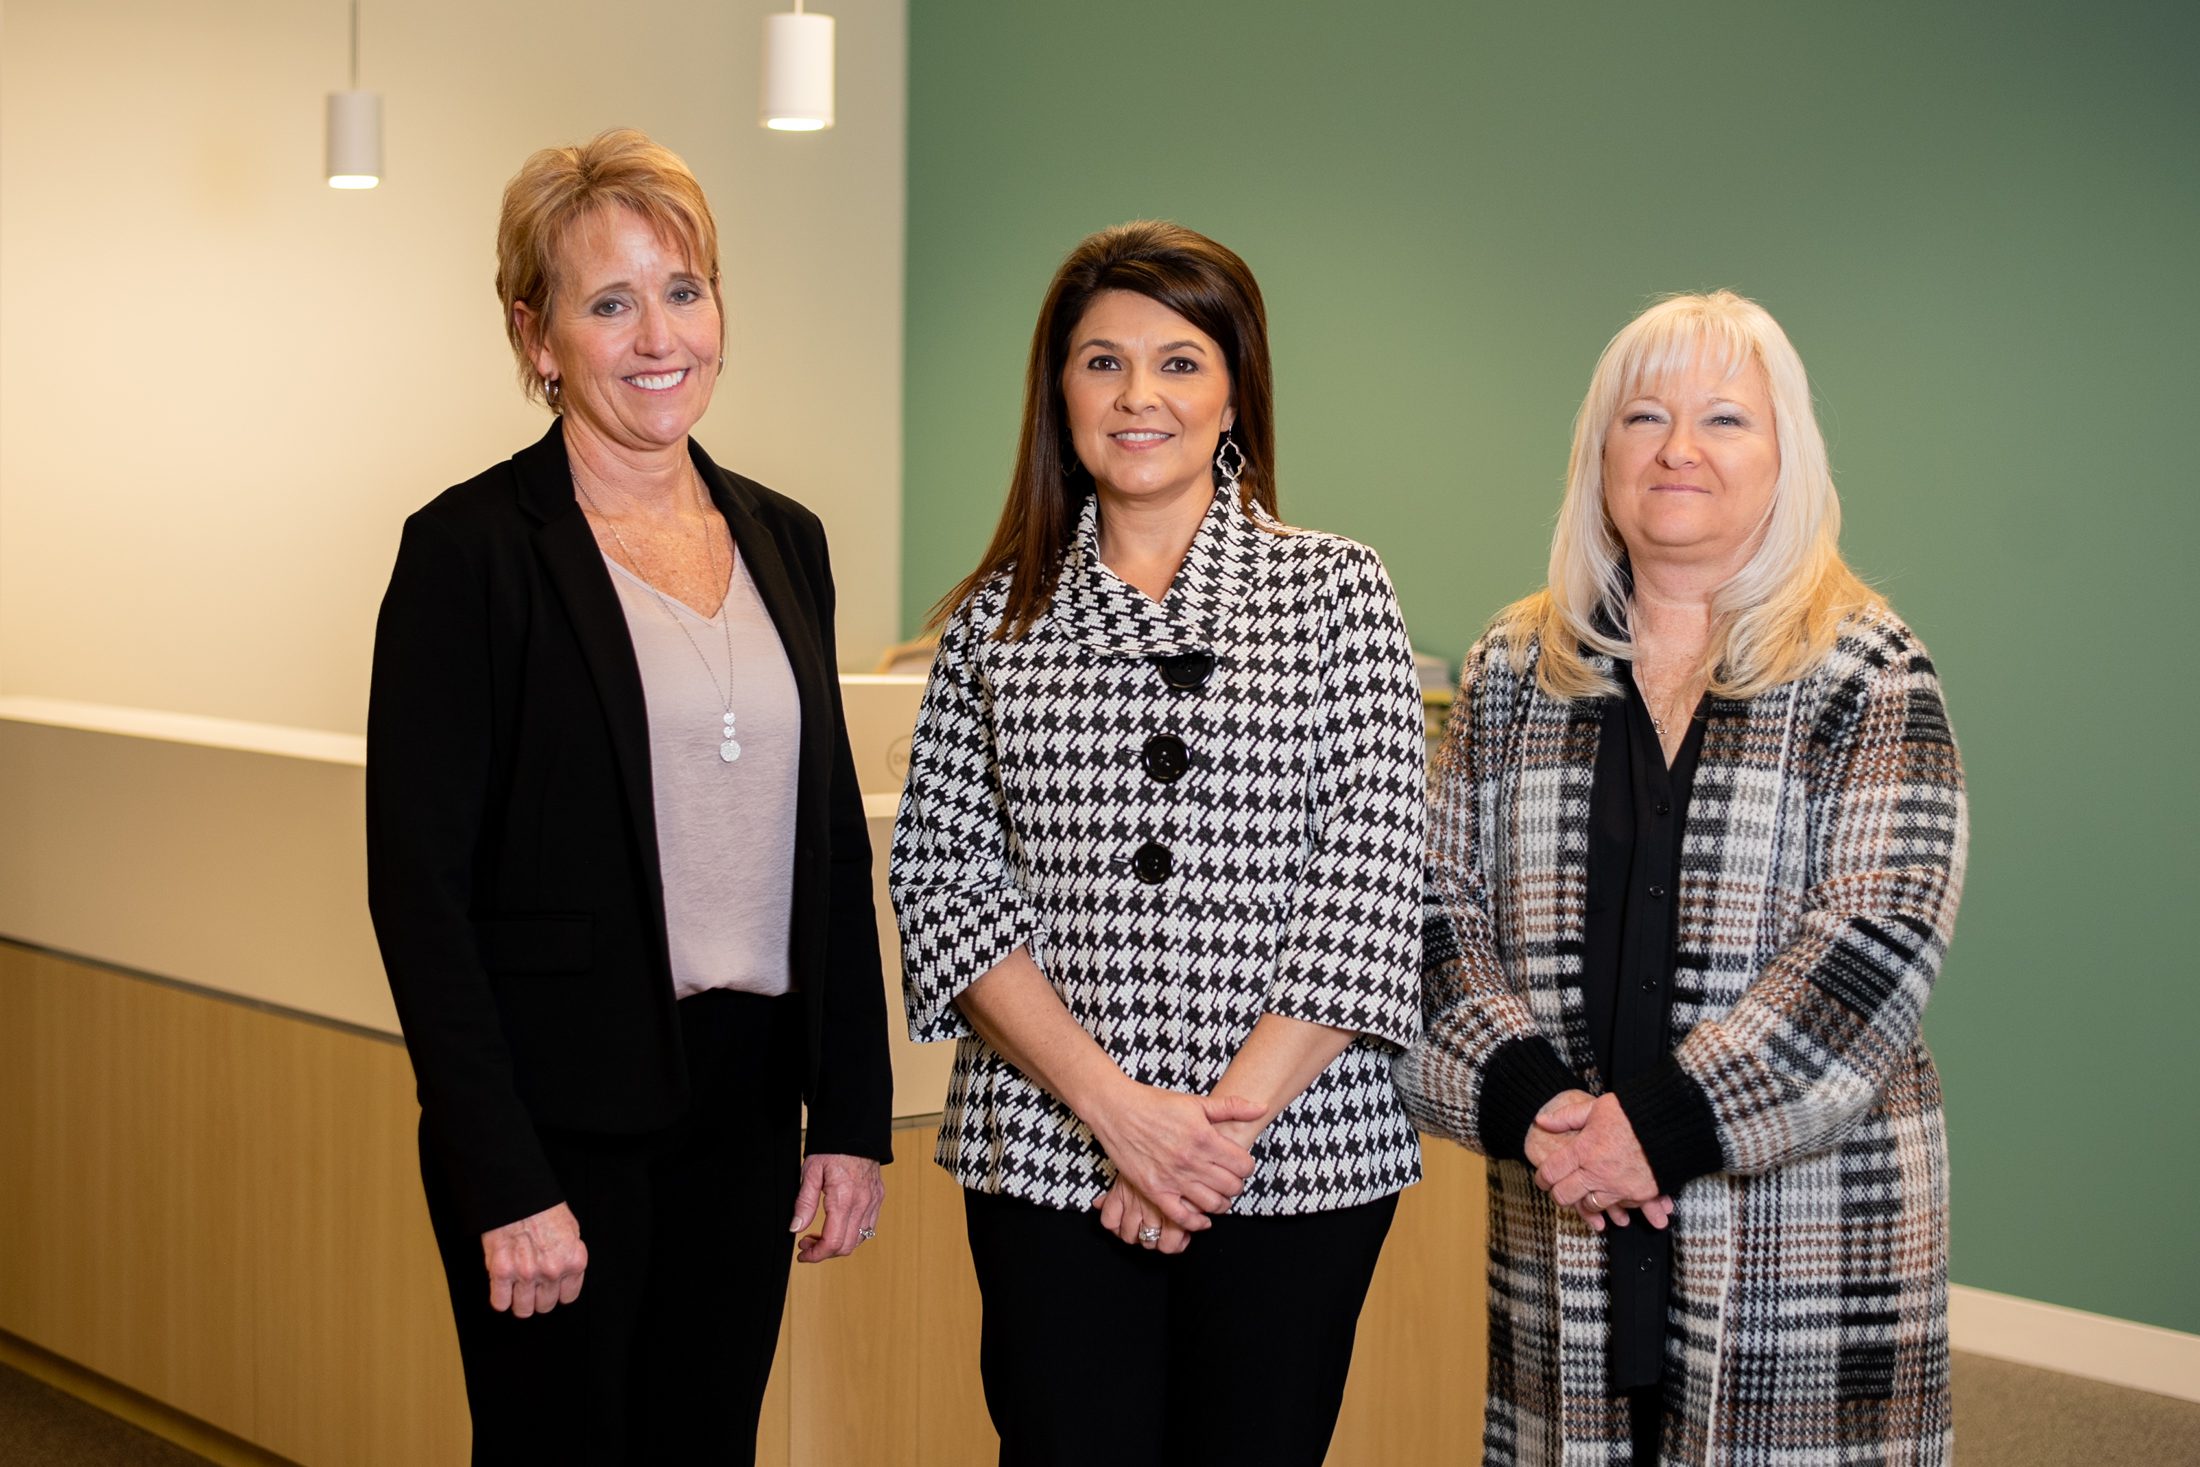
<point>550,943</point>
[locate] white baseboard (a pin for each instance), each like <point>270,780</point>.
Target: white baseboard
<point>2119,1351</point>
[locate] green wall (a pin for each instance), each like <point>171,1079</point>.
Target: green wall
<point>1977,222</point>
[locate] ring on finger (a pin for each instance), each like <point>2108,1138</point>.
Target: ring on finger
<point>1149,1236</point>
<point>865,1235</point>
<point>1594,1203</point>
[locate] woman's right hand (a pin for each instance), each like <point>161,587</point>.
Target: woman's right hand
<point>535,1264</point>
<point>1164,1143</point>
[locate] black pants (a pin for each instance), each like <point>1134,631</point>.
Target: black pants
<point>1232,1352</point>
<point>665,1355</point>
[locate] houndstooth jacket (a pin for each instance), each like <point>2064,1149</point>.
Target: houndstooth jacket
<point>1821,866</point>
<point>1291,878</point>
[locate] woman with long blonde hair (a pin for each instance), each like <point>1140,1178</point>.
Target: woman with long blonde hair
<point>1696,843</point>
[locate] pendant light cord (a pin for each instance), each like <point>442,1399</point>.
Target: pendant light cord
<point>355,44</point>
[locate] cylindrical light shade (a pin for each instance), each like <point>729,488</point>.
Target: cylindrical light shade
<point>354,139</point>
<point>798,72</point>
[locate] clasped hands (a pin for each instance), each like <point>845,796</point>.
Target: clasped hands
<point>1585,1154</point>
<point>1178,1158</point>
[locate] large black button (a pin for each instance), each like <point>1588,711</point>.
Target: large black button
<point>1166,758</point>
<point>1644,1265</point>
<point>1187,672</point>
<point>1650,984</point>
<point>1664,808</point>
<point>1657,893</point>
<point>1153,863</point>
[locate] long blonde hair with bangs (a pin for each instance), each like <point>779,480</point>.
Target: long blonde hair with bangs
<point>1776,617</point>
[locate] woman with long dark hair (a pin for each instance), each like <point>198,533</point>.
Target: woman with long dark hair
<point>1157,873</point>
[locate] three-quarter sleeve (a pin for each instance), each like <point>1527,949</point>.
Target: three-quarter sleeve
<point>951,875</point>
<point>1815,1037</point>
<point>1348,954</point>
<point>1481,1068</point>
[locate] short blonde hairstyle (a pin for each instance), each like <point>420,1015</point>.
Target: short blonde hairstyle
<point>1776,617</point>
<point>557,188</point>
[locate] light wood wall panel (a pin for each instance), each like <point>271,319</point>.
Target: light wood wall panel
<point>1423,1353</point>
<point>220,1207</point>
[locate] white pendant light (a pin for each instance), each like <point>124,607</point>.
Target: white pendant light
<point>798,71</point>
<point>354,127</point>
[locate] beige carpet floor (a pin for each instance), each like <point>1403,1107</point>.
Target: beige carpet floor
<point>2015,1416</point>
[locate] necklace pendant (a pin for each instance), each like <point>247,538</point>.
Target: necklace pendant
<point>730,750</point>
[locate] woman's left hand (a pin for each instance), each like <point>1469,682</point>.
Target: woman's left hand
<point>851,1189</point>
<point>1602,1157</point>
<point>1126,1212</point>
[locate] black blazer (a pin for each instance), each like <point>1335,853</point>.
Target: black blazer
<point>512,865</point>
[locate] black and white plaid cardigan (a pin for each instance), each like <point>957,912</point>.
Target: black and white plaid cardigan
<point>1294,848</point>
<point>1820,870</point>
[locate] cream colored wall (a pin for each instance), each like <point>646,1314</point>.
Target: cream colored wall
<point>223,384</point>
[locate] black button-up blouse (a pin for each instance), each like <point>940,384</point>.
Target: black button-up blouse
<point>1638,808</point>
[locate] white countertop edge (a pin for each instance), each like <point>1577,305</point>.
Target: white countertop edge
<point>319,745</point>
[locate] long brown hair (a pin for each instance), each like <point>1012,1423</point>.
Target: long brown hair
<point>1205,283</point>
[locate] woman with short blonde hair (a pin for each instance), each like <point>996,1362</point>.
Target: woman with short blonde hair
<point>1696,842</point>
<point>617,860</point>
<point>556,192</point>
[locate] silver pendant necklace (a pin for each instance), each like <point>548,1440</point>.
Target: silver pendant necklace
<point>729,746</point>
<point>1651,708</point>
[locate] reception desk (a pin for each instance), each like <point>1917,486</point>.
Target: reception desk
<point>231,857</point>
<point>209,1196</point>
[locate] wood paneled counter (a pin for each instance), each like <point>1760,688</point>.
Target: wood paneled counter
<point>209,1192</point>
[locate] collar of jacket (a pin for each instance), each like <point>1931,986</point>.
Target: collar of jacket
<point>1095,606</point>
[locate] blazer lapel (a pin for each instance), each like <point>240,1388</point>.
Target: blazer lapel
<point>574,564</point>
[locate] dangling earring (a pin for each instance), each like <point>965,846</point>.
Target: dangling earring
<point>1230,461</point>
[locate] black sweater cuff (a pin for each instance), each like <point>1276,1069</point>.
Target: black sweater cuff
<point>1674,1123</point>
<point>1520,1078</point>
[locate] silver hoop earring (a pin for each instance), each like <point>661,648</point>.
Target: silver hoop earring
<point>1230,461</point>
<point>552,390</point>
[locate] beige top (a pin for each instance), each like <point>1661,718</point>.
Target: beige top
<point>725,827</point>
